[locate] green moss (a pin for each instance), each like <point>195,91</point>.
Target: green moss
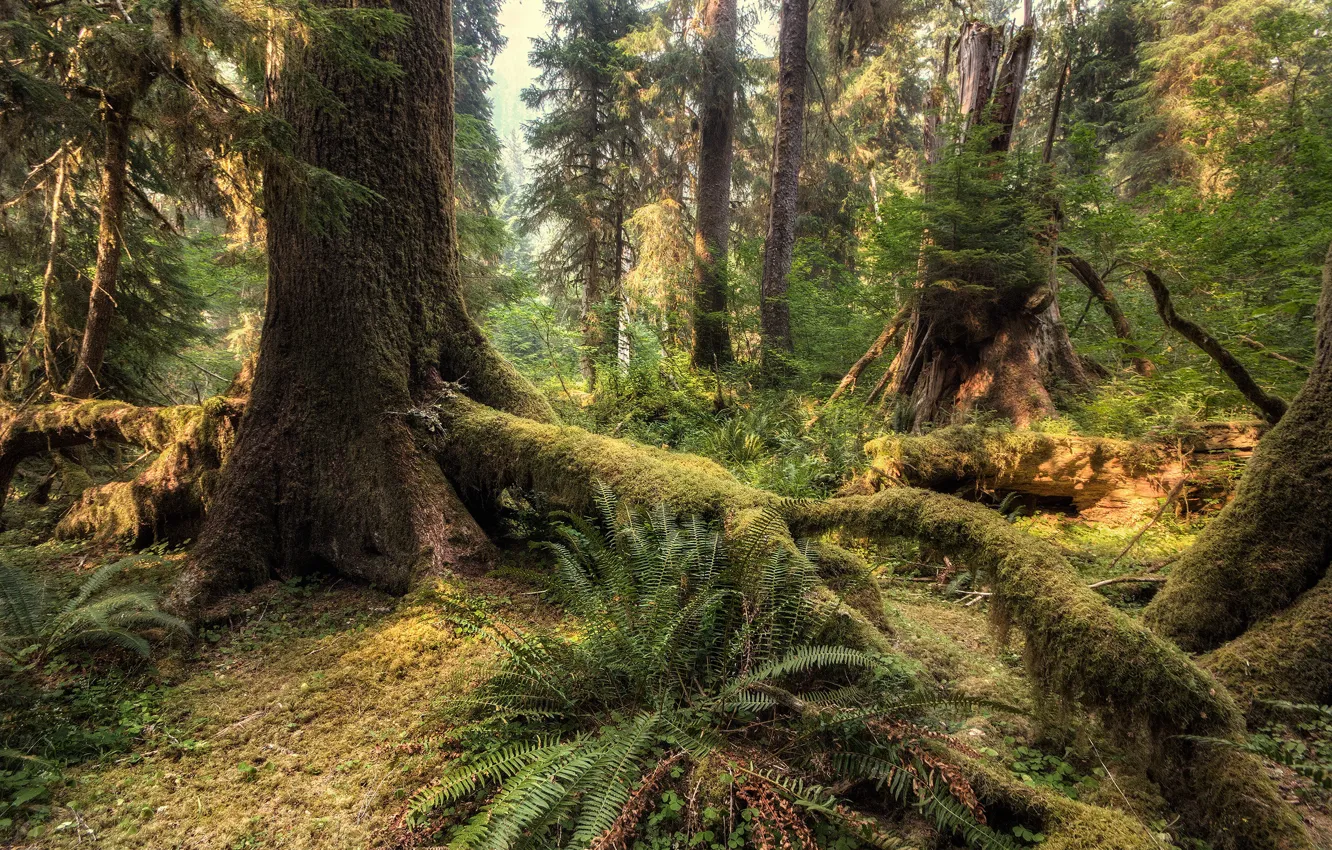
<point>989,452</point>
<point>1267,546</point>
<point>1284,657</point>
<point>1081,649</point>
<point>1067,824</point>
<point>1077,646</point>
<point>847,575</point>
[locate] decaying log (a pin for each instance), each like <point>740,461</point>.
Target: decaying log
<point>1110,481</point>
<point>165,501</point>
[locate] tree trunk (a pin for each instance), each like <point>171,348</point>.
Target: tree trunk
<point>116,117</point>
<point>1273,542</point>
<point>48,276</point>
<point>712,339</point>
<point>778,248</point>
<point>363,328</point>
<point>974,347</point>
<point>592,320</point>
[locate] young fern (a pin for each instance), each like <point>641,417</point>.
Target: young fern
<point>34,626</point>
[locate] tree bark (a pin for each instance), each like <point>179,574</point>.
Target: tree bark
<point>973,347</point>
<point>1272,407</point>
<point>364,326</point>
<point>116,116</point>
<point>712,339</point>
<point>591,321</point>
<point>48,275</point>
<point>779,247</point>
<point>1273,542</point>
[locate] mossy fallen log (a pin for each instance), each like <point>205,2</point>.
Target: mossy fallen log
<point>1106,480</point>
<point>1079,647</point>
<point>167,499</point>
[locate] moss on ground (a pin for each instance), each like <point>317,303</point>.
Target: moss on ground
<point>285,730</point>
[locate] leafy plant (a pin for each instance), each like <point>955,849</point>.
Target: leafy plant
<point>694,654</point>
<point>35,626</point>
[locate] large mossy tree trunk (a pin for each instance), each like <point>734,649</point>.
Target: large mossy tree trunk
<point>365,324</point>
<point>712,339</point>
<point>779,246</point>
<point>1267,554</point>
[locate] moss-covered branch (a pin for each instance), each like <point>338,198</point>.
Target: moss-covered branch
<point>190,443</point>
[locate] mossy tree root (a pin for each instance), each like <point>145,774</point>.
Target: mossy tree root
<point>1273,541</point>
<point>165,501</point>
<point>1284,657</point>
<point>1079,647</point>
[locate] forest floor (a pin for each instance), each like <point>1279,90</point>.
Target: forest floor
<point>310,712</point>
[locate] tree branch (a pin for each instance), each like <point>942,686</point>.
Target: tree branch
<point>1272,407</point>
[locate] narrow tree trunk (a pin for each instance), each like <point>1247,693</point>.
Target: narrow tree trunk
<point>591,319</point>
<point>1271,544</point>
<point>363,327</point>
<point>779,247</point>
<point>712,339</point>
<point>116,117</point>
<point>48,276</point>
<point>1272,407</point>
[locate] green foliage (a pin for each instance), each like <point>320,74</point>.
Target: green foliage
<point>34,627</point>
<point>1303,742</point>
<point>689,652</point>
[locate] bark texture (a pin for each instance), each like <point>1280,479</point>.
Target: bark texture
<point>364,327</point>
<point>779,247</point>
<point>117,113</point>
<point>712,338</point>
<point>1270,546</point>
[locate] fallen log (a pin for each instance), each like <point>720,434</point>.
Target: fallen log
<point>1115,482</point>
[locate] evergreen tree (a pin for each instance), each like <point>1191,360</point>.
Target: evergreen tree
<point>586,140</point>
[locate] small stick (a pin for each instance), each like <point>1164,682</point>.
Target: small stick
<point>1123,579</point>
<point>1174,494</point>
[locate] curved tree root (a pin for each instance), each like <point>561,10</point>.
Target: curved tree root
<point>165,501</point>
<point>1284,657</point>
<point>1079,647</point>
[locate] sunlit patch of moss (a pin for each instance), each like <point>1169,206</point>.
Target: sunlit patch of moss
<point>298,736</point>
